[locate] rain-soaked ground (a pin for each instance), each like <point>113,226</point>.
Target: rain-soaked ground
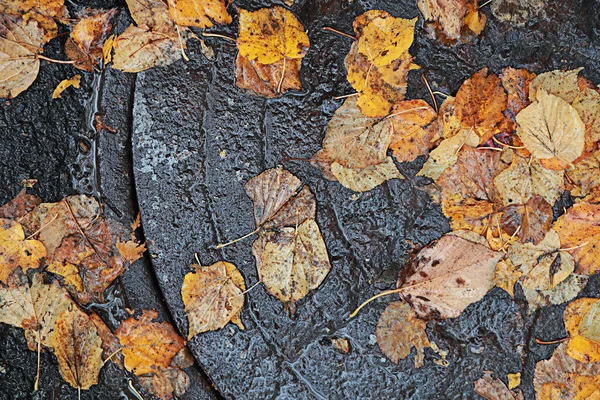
<point>191,139</point>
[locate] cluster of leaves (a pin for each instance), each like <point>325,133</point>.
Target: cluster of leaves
<point>452,20</point>
<point>84,253</point>
<point>271,41</point>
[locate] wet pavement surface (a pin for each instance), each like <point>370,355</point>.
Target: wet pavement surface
<point>191,139</point>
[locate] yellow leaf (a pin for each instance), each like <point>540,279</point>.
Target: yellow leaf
<point>506,276</point>
<point>201,14</point>
<point>42,13</point>
<point>582,319</point>
<point>213,296</point>
<point>74,81</point>
<point>271,34</point>
<point>69,272</point>
<point>131,250</point>
<point>17,252</point>
<point>107,49</point>
<point>474,19</point>
<point>514,380</point>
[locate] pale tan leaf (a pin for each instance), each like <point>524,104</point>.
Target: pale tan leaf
<point>565,291</point>
<point>562,84</point>
<point>362,180</point>
<point>495,389</point>
<point>584,176</point>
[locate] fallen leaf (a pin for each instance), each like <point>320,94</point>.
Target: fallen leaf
<point>378,61</point>
<point>564,292</point>
<point>514,380</point>
<point>480,103</point>
<point>213,296</point>
<point>562,377</point>
<point>202,14</point>
<point>550,128</point>
<point>269,80</point>
<point>362,180</point>
<point>291,261</point>
<point>107,49</point>
<point>506,276</point>
<point>131,250</point>
<point>22,204</point>
<point>582,322</point>
<point>151,15</point>
<point>529,222</point>
<point>517,12</point>
<point>341,345</point>
<point>543,265</point>
<point>278,202</point>
<point>16,251</point>
<point>587,105</point>
<point>583,175</point>
<point>148,345</point>
<point>469,196</point>
<point>44,12</point>
<point>20,44</point>
<point>474,19</point>
<point>563,84</point>
<point>516,83</point>
<point>415,129</point>
<point>579,231</point>
<point>494,389</point>
<point>399,330</point>
<point>450,274</point>
<point>85,45</point>
<point>69,272</point>
<point>77,347</point>
<point>111,348</point>
<point>74,81</point>
<point>447,14</point>
<point>524,179</point>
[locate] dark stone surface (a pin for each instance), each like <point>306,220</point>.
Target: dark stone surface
<point>198,139</point>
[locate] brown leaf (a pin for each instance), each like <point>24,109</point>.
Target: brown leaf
<point>87,38</point>
<point>44,12</point>
<point>269,80</point>
<point>450,274</point>
<point>201,14</point>
<point>494,389</point>
<point>516,83</point>
<point>565,291</point>
<point>582,322</point>
<point>507,276</point>
<point>362,180</point>
<point>20,43</point>
<point>291,261</point>
<point>518,12</point>
<point>165,383</point>
<point>131,250</point>
<point>213,296</point>
<point>529,221</point>
<point>583,175</point>
<point>415,129</point>
<point>587,105</point>
<point>110,344</point>
<point>148,345</point>
<point>399,330</point>
<point>562,377</point>
<point>151,15</point>
<point>19,206</point>
<point>277,202</point>
<point>77,346</point>
<point>341,344</point>
<point>579,230</point>
<point>16,251</point>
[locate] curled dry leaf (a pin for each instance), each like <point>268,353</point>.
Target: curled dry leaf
<point>551,129</point>
<point>579,231</point>
<point>415,129</point>
<point>543,265</point>
<point>16,251</point>
<point>562,377</point>
<point>74,81</point>
<point>399,330</point>
<point>78,348</point>
<point>378,61</point>
<point>201,14</point>
<point>20,43</point>
<point>480,103</point>
<point>213,296</point>
<point>291,261</point>
<point>582,321</point>
<point>44,12</point>
<point>583,176</point>
<point>87,38</point>
<point>148,345</point>
<point>450,274</point>
<point>529,222</point>
<point>271,43</point>
<point>19,206</point>
<point>494,389</point>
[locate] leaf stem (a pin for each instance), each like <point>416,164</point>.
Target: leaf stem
<point>39,352</point>
<point>575,247</point>
<point>111,356</point>
<point>544,342</point>
<point>345,95</point>
<point>252,287</point>
<point>280,84</point>
<point>53,60</point>
<point>208,34</point>
<point>221,245</point>
<point>430,92</point>
<point>330,29</point>
<point>387,292</point>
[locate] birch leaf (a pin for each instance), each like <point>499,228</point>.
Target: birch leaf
<point>201,14</point>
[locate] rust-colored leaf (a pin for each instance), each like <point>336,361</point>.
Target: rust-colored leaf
<point>87,38</point>
<point>19,206</point>
<point>529,221</point>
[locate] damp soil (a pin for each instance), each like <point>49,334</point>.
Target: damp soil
<point>197,139</point>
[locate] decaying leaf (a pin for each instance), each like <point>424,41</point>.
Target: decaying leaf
<point>582,321</point>
<point>359,148</point>
<point>550,128</point>
<point>201,14</point>
<point>399,330</point>
<point>291,261</point>
<point>543,265</point>
<point>341,344</point>
<point>131,250</point>
<point>20,43</point>
<point>85,45</point>
<point>564,292</point>
<point>562,377</point>
<point>449,19</point>
<point>69,272</point>
<point>16,251</point>
<point>213,296</point>
<point>378,61</point>
<point>563,84</point>
<point>415,129</point>
<point>529,222</point>
<point>579,232</point>
<point>148,345</point>
<point>583,176</point>
<point>78,348</point>
<point>172,381</point>
<point>494,389</point>
<point>41,12</point>
<point>74,81</point>
<point>450,274</point>
<point>587,105</point>
<point>271,43</point>
<point>507,276</point>
<point>517,12</point>
<point>111,348</point>
<point>516,83</point>
<point>19,206</point>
